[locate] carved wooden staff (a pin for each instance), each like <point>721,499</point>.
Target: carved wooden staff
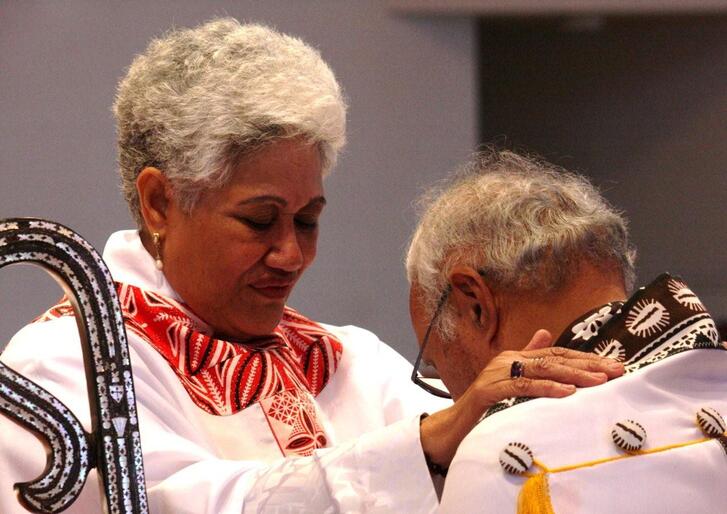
<point>114,445</point>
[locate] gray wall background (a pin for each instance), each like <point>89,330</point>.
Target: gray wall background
<point>640,105</point>
<point>411,89</point>
<point>648,125</point>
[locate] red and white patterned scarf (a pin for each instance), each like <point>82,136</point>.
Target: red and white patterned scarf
<point>282,372</point>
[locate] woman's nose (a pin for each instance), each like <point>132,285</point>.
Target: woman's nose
<point>286,253</point>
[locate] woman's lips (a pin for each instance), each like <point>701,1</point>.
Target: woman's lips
<point>272,290</point>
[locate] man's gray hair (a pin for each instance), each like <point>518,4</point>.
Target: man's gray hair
<point>198,100</point>
<point>522,222</point>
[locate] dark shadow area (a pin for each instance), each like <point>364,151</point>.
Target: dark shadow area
<point>637,104</point>
<point>722,328</point>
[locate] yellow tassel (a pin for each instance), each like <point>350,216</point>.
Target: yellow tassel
<point>534,496</point>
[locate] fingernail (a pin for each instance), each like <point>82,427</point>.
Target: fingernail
<point>569,388</point>
<point>614,365</point>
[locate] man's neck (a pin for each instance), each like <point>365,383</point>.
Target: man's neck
<point>523,314</point>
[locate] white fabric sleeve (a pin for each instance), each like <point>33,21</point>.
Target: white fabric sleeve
<point>382,471</point>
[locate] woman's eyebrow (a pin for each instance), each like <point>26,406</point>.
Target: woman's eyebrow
<point>264,198</point>
<point>317,200</point>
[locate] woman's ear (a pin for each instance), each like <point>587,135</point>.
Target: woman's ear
<point>154,195</point>
<point>474,302</point>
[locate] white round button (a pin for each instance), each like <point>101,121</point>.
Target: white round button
<point>628,435</point>
<point>516,458</point>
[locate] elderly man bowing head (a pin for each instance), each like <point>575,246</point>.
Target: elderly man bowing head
<point>512,245</point>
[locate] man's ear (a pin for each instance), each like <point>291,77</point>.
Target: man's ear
<point>154,195</point>
<point>474,301</point>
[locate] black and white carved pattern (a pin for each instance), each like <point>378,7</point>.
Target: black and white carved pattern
<point>647,318</point>
<point>516,458</point>
<point>69,444</point>
<point>612,349</point>
<point>590,326</point>
<point>697,332</point>
<point>628,435</point>
<point>685,296</point>
<point>116,450</point>
<point>711,422</point>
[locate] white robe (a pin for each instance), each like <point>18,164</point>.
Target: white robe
<point>663,397</point>
<point>200,463</point>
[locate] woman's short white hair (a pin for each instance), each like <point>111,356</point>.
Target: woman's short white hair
<point>522,222</point>
<point>198,100</point>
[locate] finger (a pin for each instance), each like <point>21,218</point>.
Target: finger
<point>536,388</point>
<point>609,367</point>
<point>559,351</point>
<point>544,368</point>
<point>541,339</point>
<point>564,353</point>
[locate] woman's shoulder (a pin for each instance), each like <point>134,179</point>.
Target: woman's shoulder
<point>364,346</point>
<point>47,339</point>
<point>352,334</point>
<point>52,343</point>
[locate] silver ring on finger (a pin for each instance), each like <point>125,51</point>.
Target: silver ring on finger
<point>517,369</point>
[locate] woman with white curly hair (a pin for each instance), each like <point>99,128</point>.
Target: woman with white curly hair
<point>225,132</point>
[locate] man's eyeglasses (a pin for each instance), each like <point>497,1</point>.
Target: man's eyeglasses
<point>430,384</point>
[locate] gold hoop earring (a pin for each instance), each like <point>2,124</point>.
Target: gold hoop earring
<point>157,246</point>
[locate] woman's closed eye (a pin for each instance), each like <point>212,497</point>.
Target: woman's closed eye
<point>263,223</point>
<point>258,223</point>
<point>306,222</point>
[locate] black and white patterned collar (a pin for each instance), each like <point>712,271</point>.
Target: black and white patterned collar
<point>659,320</point>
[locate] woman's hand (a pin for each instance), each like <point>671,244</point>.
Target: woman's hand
<point>548,372</point>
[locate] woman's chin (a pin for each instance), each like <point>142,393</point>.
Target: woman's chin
<point>262,323</point>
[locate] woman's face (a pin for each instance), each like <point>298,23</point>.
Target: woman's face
<point>236,257</point>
